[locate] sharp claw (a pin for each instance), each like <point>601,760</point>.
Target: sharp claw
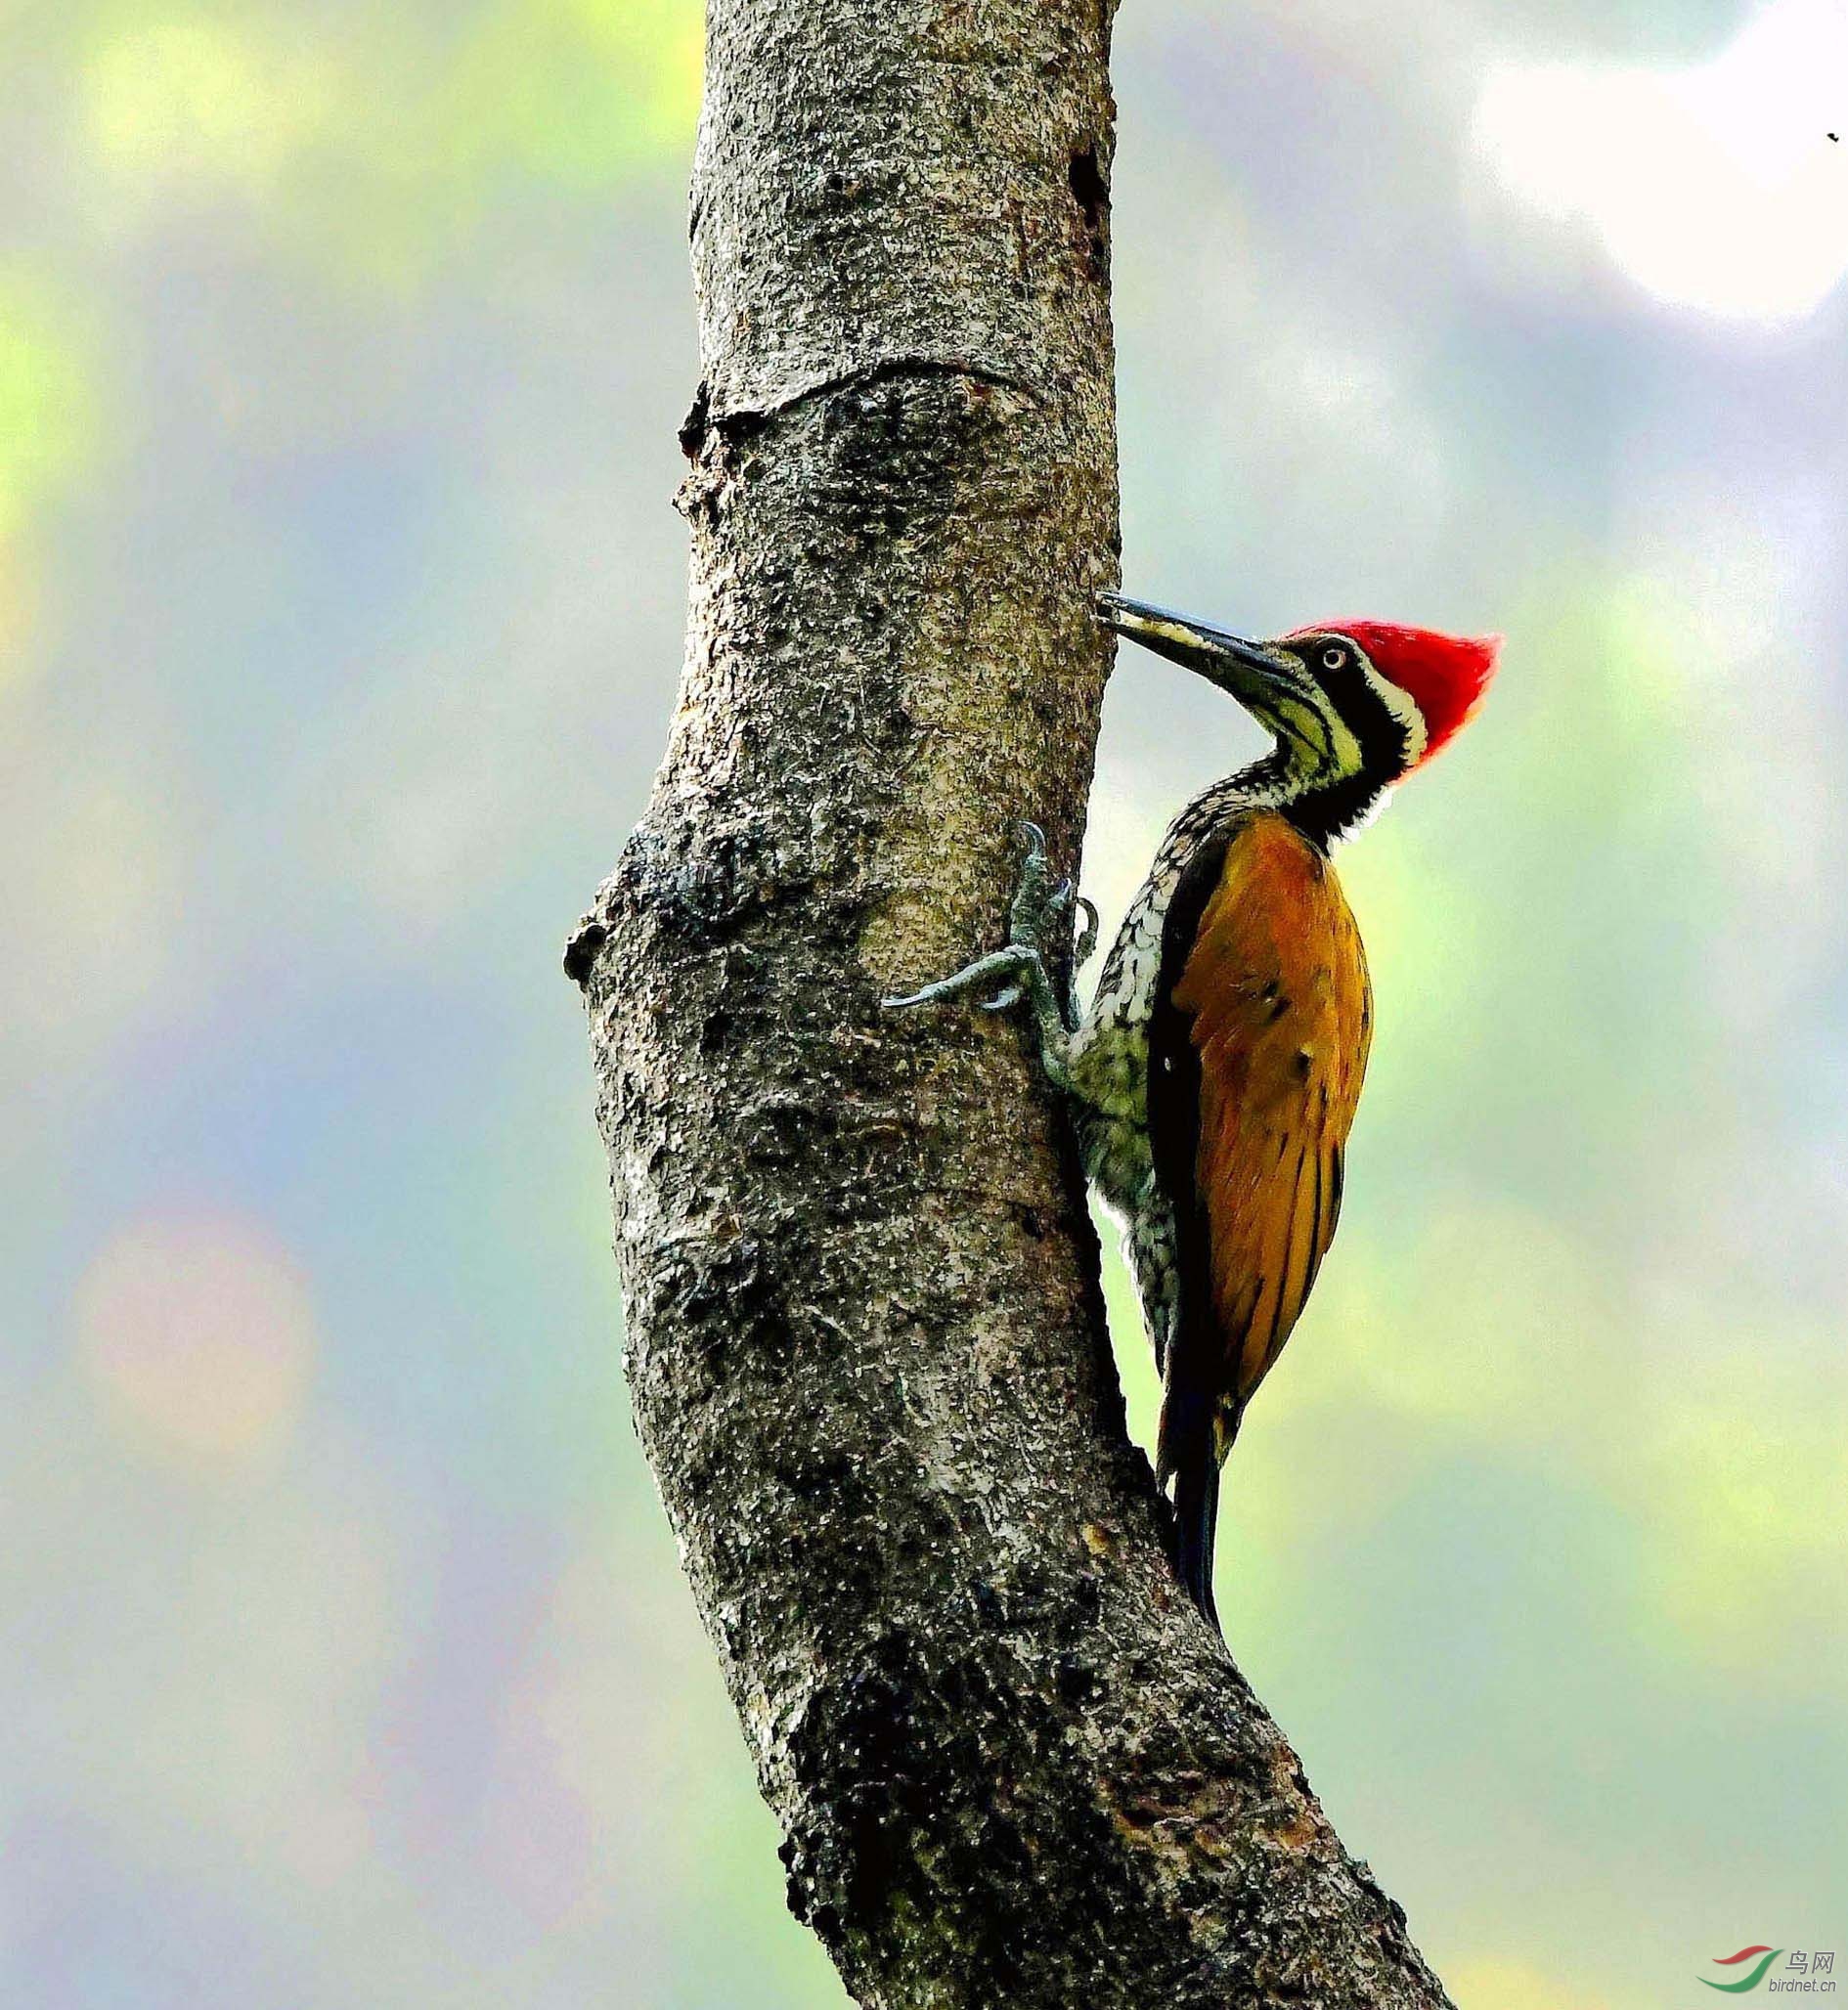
<point>1087,935</point>
<point>1035,840</point>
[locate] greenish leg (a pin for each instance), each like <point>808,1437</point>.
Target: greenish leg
<point>1020,968</point>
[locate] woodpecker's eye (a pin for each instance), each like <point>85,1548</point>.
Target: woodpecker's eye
<point>1334,658</point>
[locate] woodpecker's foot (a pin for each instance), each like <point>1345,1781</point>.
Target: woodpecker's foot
<point>1037,905</point>
<point>1020,968</point>
<point>1009,968</point>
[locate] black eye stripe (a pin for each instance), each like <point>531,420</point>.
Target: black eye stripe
<point>1348,690</point>
<point>1361,707</point>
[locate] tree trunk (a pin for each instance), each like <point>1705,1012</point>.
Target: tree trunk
<point>865,1340</point>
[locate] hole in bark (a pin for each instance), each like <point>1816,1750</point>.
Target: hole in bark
<point>693,435</point>
<point>1093,196</point>
<point>580,956</point>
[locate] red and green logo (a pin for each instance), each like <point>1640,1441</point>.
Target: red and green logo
<point>1761,1959</point>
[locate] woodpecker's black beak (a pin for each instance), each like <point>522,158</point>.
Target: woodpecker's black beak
<point>1265,679</point>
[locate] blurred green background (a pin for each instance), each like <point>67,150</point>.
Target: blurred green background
<point>347,1660</point>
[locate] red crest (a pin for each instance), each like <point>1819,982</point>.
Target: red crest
<point>1444,675</point>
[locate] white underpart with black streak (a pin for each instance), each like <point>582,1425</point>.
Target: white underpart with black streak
<point>1109,1054</point>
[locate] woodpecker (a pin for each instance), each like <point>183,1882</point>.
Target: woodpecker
<point>1214,1077</point>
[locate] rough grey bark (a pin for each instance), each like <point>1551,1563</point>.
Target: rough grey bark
<point>865,1340</point>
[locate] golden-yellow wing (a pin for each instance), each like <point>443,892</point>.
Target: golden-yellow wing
<point>1274,1009</point>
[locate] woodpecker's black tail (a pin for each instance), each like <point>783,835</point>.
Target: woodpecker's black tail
<point>1197,1517</point>
<point>1188,1448</point>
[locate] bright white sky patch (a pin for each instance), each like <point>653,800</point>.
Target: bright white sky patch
<point>1715,186</point>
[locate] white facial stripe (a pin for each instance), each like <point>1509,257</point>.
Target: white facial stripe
<point>1399,702</point>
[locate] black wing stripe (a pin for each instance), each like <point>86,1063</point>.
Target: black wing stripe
<point>1174,1106</point>
<point>1295,1289</point>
